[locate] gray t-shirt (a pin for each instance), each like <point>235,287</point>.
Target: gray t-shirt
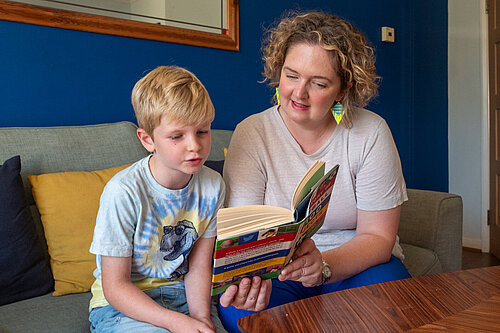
<point>264,163</point>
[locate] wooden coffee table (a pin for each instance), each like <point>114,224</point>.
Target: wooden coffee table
<point>462,301</point>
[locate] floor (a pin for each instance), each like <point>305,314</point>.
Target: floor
<point>475,259</point>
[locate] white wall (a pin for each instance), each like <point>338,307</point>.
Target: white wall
<point>468,114</point>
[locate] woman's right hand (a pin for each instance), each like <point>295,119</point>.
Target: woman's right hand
<point>306,266</point>
<point>251,295</point>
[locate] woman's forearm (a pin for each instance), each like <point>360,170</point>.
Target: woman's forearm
<point>357,255</point>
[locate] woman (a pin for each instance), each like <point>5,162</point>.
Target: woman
<point>318,61</point>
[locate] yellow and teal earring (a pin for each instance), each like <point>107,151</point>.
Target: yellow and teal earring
<point>277,95</point>
<point>338,112</point>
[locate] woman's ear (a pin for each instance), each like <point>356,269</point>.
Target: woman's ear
<point>146,140</point>
<point>348,86</point>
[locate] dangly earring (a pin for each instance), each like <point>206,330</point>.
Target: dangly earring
<point>338,112</point>
<point>277,95</point>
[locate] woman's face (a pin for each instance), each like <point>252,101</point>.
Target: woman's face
<point>309,85</point>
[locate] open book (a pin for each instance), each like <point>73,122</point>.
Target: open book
<point>260,240</point>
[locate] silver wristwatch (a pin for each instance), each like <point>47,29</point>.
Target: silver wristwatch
<point>326,272</point>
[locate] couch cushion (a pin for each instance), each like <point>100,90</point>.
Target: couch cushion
<point>69,313</point>
<point>69,148</point>
<point>25,270</point>
<point>420,261</point>
<point>47,314</point>
<point>68,204</point>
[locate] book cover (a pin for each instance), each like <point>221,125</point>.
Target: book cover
<point>260,240</point>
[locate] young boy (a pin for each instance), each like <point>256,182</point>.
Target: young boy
<point>156,223</point>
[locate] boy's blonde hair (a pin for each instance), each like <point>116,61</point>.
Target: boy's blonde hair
<point>173,92</point>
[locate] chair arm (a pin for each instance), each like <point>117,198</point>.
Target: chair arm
<point>433,220</point>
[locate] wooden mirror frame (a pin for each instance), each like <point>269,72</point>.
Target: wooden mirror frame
<point>20,12</point>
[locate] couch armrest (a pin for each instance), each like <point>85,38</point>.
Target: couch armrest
<point>433,220</point>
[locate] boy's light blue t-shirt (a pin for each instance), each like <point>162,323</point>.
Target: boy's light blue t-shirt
<point>155,226</point>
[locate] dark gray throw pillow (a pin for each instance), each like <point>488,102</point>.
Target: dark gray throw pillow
<point>215,165</point>
<point>24,269</point>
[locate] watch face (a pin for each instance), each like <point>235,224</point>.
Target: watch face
<point>326,272</point>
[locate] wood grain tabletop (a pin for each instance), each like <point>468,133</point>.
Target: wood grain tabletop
<point>461,301</point>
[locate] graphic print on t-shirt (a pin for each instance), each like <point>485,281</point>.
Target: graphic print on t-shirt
<point>164,240</point>
<point>177,241</point>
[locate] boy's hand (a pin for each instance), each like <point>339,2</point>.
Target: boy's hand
<point>251,295</point>
<point>188,325</point>
<point>206,321</point>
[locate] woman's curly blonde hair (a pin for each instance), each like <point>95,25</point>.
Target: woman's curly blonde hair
<point>352,57</point>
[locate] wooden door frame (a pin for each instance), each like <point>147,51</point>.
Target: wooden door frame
<point>491,151</point>
<point>485,124</point>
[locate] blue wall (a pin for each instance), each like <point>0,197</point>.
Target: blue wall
<point>53,76</point>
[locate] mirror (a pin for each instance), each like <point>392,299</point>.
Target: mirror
<point>207,23</point>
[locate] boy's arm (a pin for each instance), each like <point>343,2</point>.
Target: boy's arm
<point>124,296</point>
<point>198,280</point>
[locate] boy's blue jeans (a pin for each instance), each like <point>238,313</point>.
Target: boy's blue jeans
<point>108,319</point>
<point>289,291</point>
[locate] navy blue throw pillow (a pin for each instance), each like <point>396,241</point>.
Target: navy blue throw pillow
<point>25,270</point>
<point>216,165</point>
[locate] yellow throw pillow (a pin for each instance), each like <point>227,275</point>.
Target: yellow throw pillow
<point>68,204</point>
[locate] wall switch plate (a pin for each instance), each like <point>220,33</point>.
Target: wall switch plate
<point>388,34</point>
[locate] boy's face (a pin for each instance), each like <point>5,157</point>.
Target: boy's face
<point>179,151</point>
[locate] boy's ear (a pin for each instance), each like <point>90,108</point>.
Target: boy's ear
<point>146,140</point>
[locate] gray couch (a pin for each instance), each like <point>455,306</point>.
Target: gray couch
<point>430,228</point>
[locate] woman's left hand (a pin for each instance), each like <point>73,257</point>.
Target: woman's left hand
<point>306,266</point>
